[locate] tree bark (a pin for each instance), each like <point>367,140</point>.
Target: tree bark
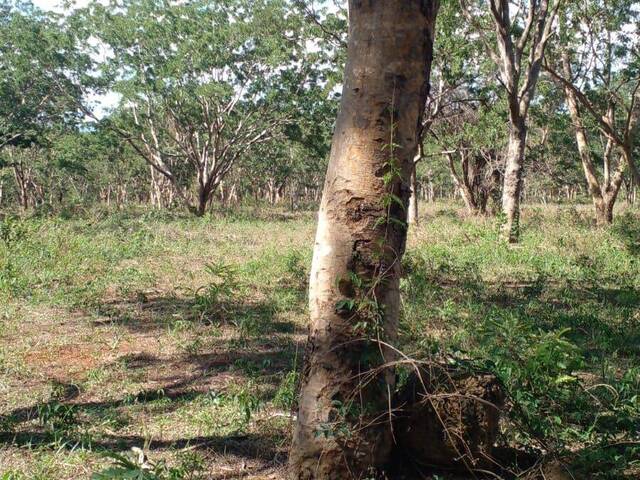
<point>343,429</point>
<point>603,195</point>
<point>512,189</point>
<point>413,200</point>
<point>604,212</point>
<point>203,201</point>
<point>472,183</point>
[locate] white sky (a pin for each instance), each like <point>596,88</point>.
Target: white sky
<point>55,5</point>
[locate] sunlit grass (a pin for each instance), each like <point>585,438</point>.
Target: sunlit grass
<point>185,334</point>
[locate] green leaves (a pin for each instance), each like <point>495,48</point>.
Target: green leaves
<point>127,469</point>
<point>346,305</point>
<point>40,67</point>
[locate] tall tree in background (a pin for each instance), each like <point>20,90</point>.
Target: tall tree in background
<point>36,59</point>
<point>521,35</point>
<point>600,79</point>
<point>40,69</point>
<point>203,82</point>
<point>343,425</point>
<point>453,68</point>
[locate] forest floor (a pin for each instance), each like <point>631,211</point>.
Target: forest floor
<point>183,337</point>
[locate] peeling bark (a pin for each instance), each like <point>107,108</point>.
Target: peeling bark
<point>343,428</point>
<point>512,189</point>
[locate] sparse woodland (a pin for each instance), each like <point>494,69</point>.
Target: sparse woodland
<point>320,239</point>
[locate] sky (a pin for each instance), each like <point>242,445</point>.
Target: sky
<point>55,5</point>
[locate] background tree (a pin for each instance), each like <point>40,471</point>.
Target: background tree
<point>601,78</point>
<point>202,83</point>
<point>522,30</point>
<point>36,59</point>
<point>39,70</point>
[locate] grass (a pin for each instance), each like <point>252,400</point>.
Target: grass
<point>184,336</point>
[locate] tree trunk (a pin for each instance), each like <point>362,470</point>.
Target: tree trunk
<point>470,182</point>
<point>512,189</point>
<point>206,190</point>
<point>413,200</point>
<point>602,204</point>
<point>469,200</point>
<point>604,212</point>
<point>21,182</point>
<point>343,428</point>
<point>604,208</point>
<point>203,201</point>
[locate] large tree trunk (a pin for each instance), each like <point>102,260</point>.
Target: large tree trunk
<point>206,189</point>
<point>512,189</point>
<point>343,428</point>
<point>203,201</point>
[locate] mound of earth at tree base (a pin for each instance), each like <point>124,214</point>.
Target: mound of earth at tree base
<point>448,418</point>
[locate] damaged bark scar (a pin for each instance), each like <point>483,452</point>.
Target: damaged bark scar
<point>387,112</point>
<point>382,171</point>
<point>357,209</point>
<point>361,121</point>
<point>362,262</point>
<point>358,247</point>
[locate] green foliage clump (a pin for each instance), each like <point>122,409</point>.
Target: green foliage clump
<point>132,468</point>
<point>215,299</point>
<point>559,327</point>
<point>287,395</point>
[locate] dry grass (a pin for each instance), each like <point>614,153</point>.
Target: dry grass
<point>104,318</point>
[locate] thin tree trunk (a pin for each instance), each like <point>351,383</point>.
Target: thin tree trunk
<point>203,201</point>
<point>512,189</point>
<point>413,200</point>
<point>21,181</point>
<point>602,205</point>
<point>343,429</point>
<point>466,183</point>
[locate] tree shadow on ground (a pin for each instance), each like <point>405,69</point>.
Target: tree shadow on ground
<point>270,364</point>
<point>260,350</point>
<point>598,315</point>
<point>253,446</point>
<point>150,313</point>
<point>32,426</point>
<point>627,229</point>
<point>583,331</point>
